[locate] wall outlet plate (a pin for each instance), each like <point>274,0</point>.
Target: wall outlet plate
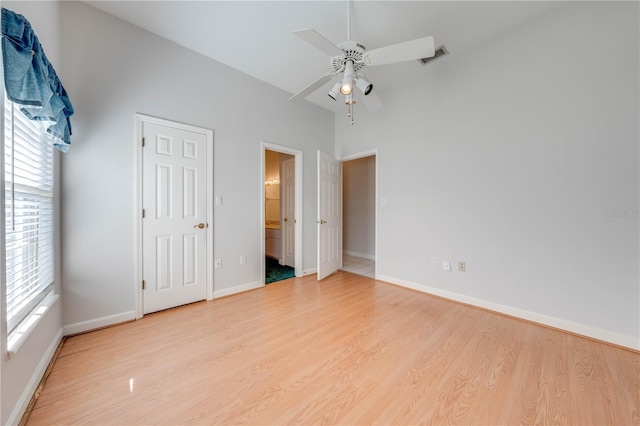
<point>217,263</point>
<point>462,266</point>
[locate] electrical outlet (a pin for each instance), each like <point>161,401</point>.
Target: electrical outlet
<point>218,263</point>
<point>446,266</point>
<point>462,266</point>
<point>243,260</point>
<point>434,262</point>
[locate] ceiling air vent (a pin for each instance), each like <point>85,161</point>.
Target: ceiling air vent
<point>440,52</point>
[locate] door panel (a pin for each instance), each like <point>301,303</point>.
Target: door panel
<point>329,215</point>
<point>288,224</point>
<point>174,248</point>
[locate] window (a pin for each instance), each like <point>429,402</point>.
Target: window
<point>29,205</point>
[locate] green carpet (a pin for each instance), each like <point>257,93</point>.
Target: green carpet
<point>276,272</point>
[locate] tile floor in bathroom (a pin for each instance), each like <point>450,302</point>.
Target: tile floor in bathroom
<point>358,265</point>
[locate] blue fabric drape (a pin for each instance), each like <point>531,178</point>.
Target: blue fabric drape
<point>31,81</point>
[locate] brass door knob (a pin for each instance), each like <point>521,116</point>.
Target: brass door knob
<point>200,225</point>
<point>286,220</point>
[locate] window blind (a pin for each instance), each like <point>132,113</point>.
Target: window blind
<point>28,162</point>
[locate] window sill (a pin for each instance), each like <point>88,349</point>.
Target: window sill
<point>18,336</point>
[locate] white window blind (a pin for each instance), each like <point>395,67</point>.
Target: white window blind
<point>28,165</point>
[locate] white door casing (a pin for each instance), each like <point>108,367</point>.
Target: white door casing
<point>288,223</point>
<point>175,233</point>
<point>329,215</point>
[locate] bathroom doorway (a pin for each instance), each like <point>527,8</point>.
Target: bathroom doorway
<point>281,212</point>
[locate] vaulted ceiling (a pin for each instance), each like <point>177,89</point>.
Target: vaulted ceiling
<point>256,37</point>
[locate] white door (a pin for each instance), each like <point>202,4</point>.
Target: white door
<point>329,215</point>
<point>288,212</point>
<point>174,234</point>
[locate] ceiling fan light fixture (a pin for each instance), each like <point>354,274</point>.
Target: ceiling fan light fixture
<point>364,86</point>
<point>347,85</point>
<point>348,100</point>
<point>333,93</point>
<point>347,81</point>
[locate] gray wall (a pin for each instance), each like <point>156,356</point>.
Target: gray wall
<point>510,158</point>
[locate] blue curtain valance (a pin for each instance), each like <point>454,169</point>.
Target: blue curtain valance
<point>31,81</point>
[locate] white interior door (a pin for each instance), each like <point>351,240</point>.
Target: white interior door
<point>288,224</point>
<point>174,234</point>
<point>329,215</point>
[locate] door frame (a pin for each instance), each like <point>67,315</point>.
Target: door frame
<point>297,154</point>
<point>375,152</point>
<point>138,164</point>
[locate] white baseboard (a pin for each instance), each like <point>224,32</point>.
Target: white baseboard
<point>94,324</point>
<point>572,327</point>
<point>356,254</point>
<point>310,271</point>
<point>237,289</point>
<point>36,377</point>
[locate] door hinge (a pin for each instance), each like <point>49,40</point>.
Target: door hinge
<point>143,142</point>
<point>143,213</point>
<point>143,284</point>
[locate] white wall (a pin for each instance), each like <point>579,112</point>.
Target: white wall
<point>358,206</point>
<point>509,158</point>
<point>20,375</point>
<point>114,70</point>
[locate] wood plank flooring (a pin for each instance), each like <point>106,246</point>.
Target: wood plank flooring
<point>348,350</point>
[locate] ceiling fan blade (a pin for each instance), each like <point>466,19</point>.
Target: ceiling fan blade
<point>371,101</point>
<point>319,41</point>
<point>312,87</point>
<point>407,51</point>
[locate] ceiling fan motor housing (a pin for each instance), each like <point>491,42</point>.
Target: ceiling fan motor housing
<point>353,51</point>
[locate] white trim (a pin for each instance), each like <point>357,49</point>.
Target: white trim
<point>96,323</point>
<point>34,381</point>
<point>140,119</point>
<point>31,321</point>
<point>572,327</point>
<point>238,289</point>
<point>298,205</point>
<point>137,167</point>
<point>356,254</point>
<point>3,279</point>
<point>310,271</point>
<point>368,153</point>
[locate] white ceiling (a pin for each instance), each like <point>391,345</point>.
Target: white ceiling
<point>255,36</point>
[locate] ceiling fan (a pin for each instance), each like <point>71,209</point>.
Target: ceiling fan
<point>350,57</point>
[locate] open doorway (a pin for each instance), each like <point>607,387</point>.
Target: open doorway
<point>281,216</point>
<point>359,215</point>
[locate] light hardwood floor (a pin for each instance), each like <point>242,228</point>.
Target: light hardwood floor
<point>348,350</point>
